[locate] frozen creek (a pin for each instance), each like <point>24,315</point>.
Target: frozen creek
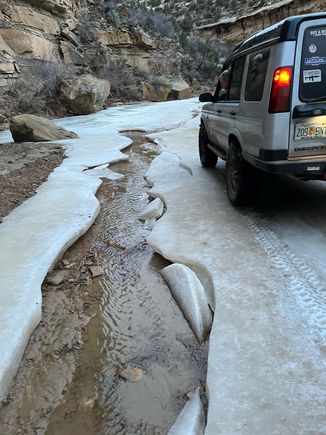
<point>261,271</point>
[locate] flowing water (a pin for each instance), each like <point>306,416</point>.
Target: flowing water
<point>137,325</point>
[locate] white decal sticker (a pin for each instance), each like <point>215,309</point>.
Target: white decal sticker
<point>312,48</point>
<point>315,60</point>
<point>316,33</point>
<point>312,76</point>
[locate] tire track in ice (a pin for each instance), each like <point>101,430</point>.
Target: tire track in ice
<point>303,280</point>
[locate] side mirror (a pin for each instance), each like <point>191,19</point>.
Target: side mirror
<point>207,97</point>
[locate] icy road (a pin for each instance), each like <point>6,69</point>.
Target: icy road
<point>261,269</point>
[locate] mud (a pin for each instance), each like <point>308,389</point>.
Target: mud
<point>23,167</point>
<point>92,329</point>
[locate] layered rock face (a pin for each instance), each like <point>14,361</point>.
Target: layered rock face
<point>45,44</point>
<point>48,47</point>
<point>236,29</point>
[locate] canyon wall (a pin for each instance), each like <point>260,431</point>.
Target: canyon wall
<point>43,42</point>
<point>234,30</point>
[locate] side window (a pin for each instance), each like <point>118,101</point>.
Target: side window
<point>236,79</point>
<point>221,91</point>
<point>257,69</point>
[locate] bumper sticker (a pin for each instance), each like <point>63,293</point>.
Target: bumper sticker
<point>318,32</point>
<point>315,60</point>
<point>312,76</point>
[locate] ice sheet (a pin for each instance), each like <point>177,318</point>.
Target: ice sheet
<point>266,369</point>
<point>191,420</point>
<point>36,234</point>
<point>154,210</point>
<point>191,297</point>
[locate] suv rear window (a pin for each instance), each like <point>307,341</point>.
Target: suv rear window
<point>256,75</point>
<point>313,64</point>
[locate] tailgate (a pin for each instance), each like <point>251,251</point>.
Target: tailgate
<point>308,126</point>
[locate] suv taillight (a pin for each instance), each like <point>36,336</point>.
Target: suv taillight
<point>281,87</point>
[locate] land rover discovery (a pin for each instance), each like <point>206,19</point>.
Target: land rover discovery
<point>272,117</point>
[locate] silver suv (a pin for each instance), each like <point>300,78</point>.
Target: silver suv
<point>272,117</point>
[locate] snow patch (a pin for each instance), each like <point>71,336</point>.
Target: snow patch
<point>103,171</point>
<point>191,297</point>
<point>191,421</point>
<point>264,368</point>
<point>154,210</point>
<point>32,238</point>
<point>162,170</point>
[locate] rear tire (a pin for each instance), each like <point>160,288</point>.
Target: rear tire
<point>240,177</point>
<point>207,158</point>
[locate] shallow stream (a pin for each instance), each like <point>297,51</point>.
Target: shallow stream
<point>137,325</point>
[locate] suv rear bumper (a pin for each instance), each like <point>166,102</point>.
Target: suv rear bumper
<point>312,168</point>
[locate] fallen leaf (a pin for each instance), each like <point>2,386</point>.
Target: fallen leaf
<point>86,404</point>
<point>65,262</point>
<point>89,262</point>
<point>115,244</point>
<point>6,402</point>
<point>131,374</point>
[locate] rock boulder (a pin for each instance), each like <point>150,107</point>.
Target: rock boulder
<point>180,90</point>
<point>3,119</point>
<point>172,90</point>
<point>59,7</point>
<point>30,128</point>
<point>85,94</point>
<point>156,92</point>
<point>3,122</point>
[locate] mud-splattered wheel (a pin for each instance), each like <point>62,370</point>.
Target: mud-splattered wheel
<point>207,158</point>
<point>240,177</point>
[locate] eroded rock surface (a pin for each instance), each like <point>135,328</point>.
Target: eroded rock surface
<point>59,7</point>
<point>156,92</point>
<point>170,90</point>
<point>180,90</point>
<point>84,95</point>
<point>30,128</point>
<point>233,30</point>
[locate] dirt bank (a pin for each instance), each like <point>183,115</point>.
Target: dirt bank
<point>23,167</point>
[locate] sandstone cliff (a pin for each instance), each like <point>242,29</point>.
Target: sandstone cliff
<point>47,44</point>
<point>43,42</point>
<point>234,30</point>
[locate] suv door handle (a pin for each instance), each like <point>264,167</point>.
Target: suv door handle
<point>233,113</point>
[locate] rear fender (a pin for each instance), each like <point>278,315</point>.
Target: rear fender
<point>235,136</point>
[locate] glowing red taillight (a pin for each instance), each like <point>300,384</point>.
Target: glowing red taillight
<point>281,90</point>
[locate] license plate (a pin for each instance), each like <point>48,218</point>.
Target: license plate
<point>310,131</point>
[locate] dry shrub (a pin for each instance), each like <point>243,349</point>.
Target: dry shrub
<point>37,90</point>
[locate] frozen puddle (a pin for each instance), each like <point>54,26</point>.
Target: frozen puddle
<point>35,235</point>
<point>266,367</point>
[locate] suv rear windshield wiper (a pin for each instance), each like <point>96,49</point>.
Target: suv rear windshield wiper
<point>314,100</point>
